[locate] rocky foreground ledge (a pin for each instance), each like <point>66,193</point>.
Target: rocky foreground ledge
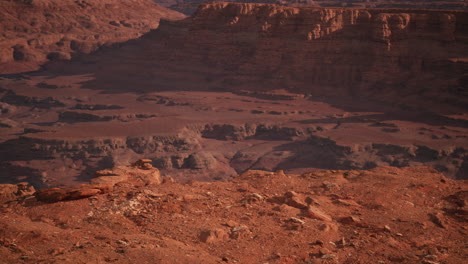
<point>130,215</point>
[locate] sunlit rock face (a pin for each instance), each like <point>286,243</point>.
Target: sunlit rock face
<point>336,51</point>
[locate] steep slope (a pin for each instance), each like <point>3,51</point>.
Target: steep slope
<point>401,55</point>
<point>190,6</point>
<point>35,31</point>
<point>412,57</point>
<point>384,215</point>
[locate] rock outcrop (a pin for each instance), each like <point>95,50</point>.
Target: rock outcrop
<point>12,192</point>
<point>250,96</point>
<point>412,57</point>
<point>141,173</point>
<point>336,51</point>
<point>391,215</point>
<point>190,6</point>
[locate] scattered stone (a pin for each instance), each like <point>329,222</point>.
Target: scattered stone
<point>122,242</point>
<point>258,196</point>
<point>315,213</point>
<point>288,210</point>
<point>10,192</point>
<point>239,232</point>
<point>319,242</point>
<point>438,219</point>
<point>324,251</point>
<point>57,251</point>
<point>297,220</point>
<point>341,242</point>
<point>231,223</point>
<point>347,202</point>
<point>214,236</point>
<point>253,198</point>
<point>431,257</point>
<point>328,256</point>
<point>293,199</point>
<point>328,227</point>
<point>429,262</point>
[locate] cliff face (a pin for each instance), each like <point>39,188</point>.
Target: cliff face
<point>189,6</point>
<point>353,50</point>
<point>34,31</point>
<point>165,96</point>
<point>381,25</point>
<point>334,51</point>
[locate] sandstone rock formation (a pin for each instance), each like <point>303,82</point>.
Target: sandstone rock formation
<point>366,52</point>
<point>203,139</point>
<point>412,57</point>
<point>239,87</point>
<point>12,192</point>
<point>35,31</point>
<point>190,6</point>
<point>141,173</point>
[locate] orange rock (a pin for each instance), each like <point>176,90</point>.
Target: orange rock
<point>315,213</point>
<point>214,235</point>
<point>9,192</point>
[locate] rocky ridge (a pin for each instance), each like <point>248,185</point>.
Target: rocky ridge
<point>35,31</point>
<point>62,139</point>
<point>386,214</point>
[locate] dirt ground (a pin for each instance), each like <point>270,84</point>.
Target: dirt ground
<point>383,215</point>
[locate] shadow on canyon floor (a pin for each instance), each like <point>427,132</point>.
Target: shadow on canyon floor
<point>11,172</point>
<point>411,116</point>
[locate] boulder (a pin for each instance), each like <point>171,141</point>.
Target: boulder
<point>214,236</point>
<point>53,195</point>
<point>315,213</point>
<point>11,192</point>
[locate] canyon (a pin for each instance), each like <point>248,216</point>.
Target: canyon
<point>244,133</point>
<point>188,7</point>
<point>248,86</point>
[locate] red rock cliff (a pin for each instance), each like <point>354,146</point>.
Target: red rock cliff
<point>333,51</point>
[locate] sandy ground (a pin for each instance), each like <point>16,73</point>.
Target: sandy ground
<point>384,215</point>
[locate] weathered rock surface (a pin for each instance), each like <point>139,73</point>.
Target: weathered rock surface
<point>391,215</point>
<point>190,6</point>
<point>365,52</point>
<point>235,108</point>
<point>11,192</point>
<point>140,173</point>
<point>411,57</point>
<point>33,32</point>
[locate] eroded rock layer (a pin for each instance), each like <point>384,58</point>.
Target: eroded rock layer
<point>34,31</point>
<point>404,54</point>
<point>240,86</point>
<point>189,6</point>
